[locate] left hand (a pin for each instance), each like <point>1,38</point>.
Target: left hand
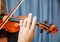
<point>27,29</point>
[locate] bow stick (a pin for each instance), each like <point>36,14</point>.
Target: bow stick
<point>11,13</point>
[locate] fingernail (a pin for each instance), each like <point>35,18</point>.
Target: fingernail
<point>35,17</point>
<point>30,14</point>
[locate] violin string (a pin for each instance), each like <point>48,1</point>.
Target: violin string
<point>11,13</point>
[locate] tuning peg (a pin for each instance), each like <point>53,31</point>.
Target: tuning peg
<point>45,22</point>
<point>41,30</point>
<point>50,24</point>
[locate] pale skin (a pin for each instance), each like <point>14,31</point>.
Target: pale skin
<point>5,39</point>
<point>27,29</point>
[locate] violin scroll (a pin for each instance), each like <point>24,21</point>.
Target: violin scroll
<point>53,29</point>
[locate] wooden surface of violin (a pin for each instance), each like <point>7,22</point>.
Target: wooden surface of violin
<point>50,29</point>
<point>13,25</point>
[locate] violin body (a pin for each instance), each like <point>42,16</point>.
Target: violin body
<point>13,25</point>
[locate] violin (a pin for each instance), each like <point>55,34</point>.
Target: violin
<point>11,24</point>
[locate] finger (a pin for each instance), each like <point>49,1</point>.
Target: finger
<point>33,23</point>
<point>21,24</point>
<point>31,35</point>
<point>25,22</point>
<point>29,20</point>
<point>4,18</point>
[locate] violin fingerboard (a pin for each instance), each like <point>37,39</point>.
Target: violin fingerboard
<point>15,20</point>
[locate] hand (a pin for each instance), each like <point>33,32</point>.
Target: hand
<point>27,29</point>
